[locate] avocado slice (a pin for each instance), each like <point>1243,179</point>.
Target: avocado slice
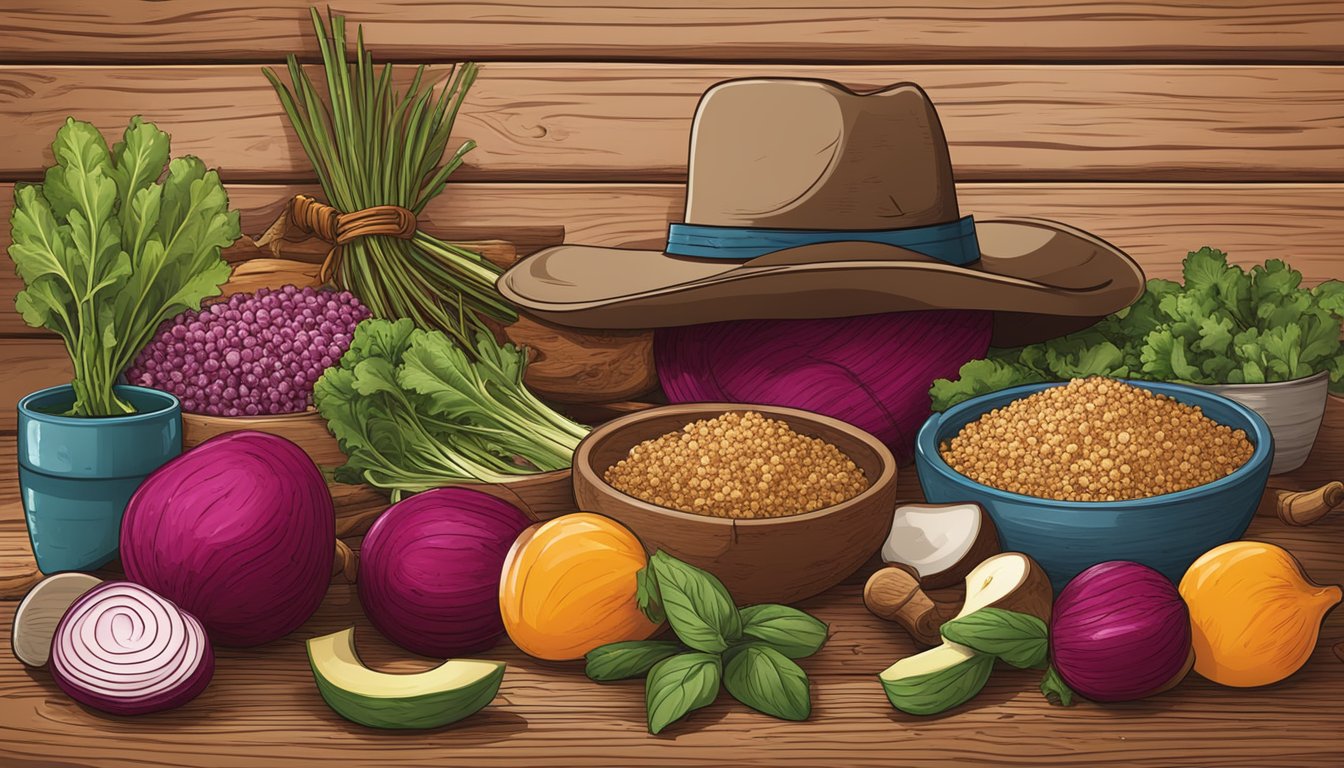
<point>937,679</point>
<point>450,692</point>
<point>951,674</point>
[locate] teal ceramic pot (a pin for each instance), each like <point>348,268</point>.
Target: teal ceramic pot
<point>1165,533</point>
<point>77,474</point>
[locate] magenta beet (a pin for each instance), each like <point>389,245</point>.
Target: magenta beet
<point>429,570</point>
<point>239,532</point>
<point>872,371</point>
<point>1120,631</point>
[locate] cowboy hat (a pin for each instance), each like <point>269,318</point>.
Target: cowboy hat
<point>807,200</point>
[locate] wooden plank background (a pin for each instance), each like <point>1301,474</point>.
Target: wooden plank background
<point>630,122</point>
<point>1161,125</point>
<point>988,31</point>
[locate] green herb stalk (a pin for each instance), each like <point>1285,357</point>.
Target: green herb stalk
<point>107,252</point>
<point>370,145</point>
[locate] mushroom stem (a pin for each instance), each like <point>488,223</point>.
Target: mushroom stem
<point>894,594</point>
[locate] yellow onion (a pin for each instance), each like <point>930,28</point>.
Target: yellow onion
<point>1254,614</point>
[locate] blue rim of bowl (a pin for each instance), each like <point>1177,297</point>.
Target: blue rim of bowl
<point>26,406</point>
<point>1264,446</point>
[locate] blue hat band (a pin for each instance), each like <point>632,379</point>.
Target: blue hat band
<point>952,243</point>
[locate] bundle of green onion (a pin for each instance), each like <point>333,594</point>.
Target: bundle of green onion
<point>372,145</point>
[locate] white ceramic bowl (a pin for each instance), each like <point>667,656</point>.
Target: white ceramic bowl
<point>1293,410</point>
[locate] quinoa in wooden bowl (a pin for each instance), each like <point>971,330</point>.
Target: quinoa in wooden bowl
<point>789,502</point>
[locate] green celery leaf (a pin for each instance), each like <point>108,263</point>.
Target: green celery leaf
<point>679,685</point>
<point>1215,335</point>
<point>81,156</point>
<point>1282,347</point>
<point>1164,358</point>
<point>138,161</point>
<point>1273,281</point>
<point>698,607</point>
<point>1336,369</point>
<point>1329,296</point>
<point>1207,273</point>
<point>1320,340</point>
<point>768,681</point>
<point>385,339</point>
<point>783,628</point>
<point>1252,372</point>
<point>1077,359</point>
<point>42,251</point>
<point>1133,324</point>
<point>979,377</point>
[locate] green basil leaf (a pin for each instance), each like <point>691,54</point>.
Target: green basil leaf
<point>621,661</point>
<point>768,681</point>
<point>698,606</point>
<point>678,685</point>
<point>1017,638</point>
<point>788,630</point>
<point>1055,690</point>
<point>646,596</point>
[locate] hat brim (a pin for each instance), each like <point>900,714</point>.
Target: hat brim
<point>1045,278</point>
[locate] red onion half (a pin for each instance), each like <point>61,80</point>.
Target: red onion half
<point>125,650</point>
<point>1119,632</point>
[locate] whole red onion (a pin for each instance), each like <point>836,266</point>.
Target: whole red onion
<point>872,371</point>
<point>1120,631</point>
<point>430,566</point>
<point>127,651</point>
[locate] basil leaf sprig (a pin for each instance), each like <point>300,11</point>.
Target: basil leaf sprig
<point>750,651</point>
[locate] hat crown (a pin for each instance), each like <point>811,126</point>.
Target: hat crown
<point>811,154</point>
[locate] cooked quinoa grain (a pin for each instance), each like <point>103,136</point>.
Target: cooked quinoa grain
<point>1096,439</point>
<point>739,465</point>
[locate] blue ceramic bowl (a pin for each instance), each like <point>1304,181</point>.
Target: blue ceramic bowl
<point>1166,532</point>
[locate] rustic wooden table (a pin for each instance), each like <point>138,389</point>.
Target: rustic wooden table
<point>1160,125</point>
<point>262,708</point>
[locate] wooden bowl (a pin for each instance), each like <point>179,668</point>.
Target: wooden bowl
<point>308,430</point>
<point>782,559</point>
